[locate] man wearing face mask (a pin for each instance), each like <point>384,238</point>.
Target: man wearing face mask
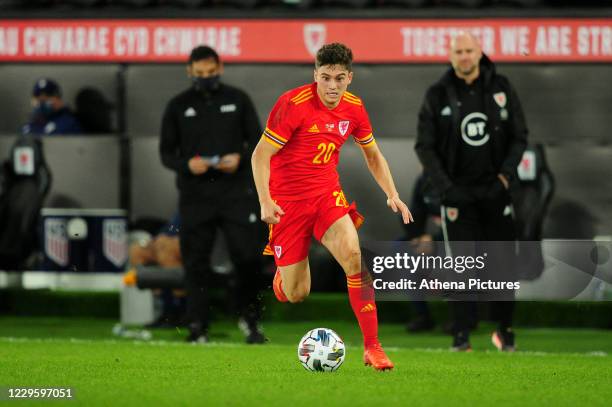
<point>207,131</point>
<point>50,114</point>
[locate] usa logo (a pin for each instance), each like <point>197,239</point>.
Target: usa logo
<point>343,127</point>
<point>115,245</point>
<point>278,250</point>
<point>56,241</point>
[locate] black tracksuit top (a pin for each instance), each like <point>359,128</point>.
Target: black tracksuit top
<point>439,129</point>
<point>214,124</point>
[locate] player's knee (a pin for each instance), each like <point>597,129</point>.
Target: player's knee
<point>296,295</point>
<point>353,255</point>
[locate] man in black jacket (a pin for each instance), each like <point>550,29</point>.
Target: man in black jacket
<point>207,131</point>
<point>471,137</point>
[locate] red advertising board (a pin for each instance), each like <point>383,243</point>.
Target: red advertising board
<point>296,41</point>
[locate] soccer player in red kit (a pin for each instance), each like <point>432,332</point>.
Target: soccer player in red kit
<point>294,166</point>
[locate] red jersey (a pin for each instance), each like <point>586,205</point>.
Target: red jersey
<point>310,136</point>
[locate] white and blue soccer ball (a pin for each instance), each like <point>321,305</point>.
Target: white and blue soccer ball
<point>321,350</point>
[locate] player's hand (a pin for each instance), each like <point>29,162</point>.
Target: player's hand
<point>198,165</point>
<point>229,163</point>
<point>396,204</point>
<point>271,212</point>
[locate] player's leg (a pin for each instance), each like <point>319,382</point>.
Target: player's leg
<point>461,230</point>
<point>196,240</point>
<point>289,243</point>
<point>167,251</point>
<point>245,236</point>
<point>343,243</point>
<point>500,229</point>
<point>141,254</point>
<point>295,280</point>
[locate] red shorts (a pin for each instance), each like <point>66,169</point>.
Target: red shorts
<point>289,240</point>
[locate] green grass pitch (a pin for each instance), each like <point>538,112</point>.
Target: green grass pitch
<point>553,367</point>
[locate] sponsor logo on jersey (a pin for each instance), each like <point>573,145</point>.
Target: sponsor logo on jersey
<point>368,308</point>
<point>190,112</point>
<point>313,129</point>
<point>228,108</point>
<point>278,250</point>
<point>474,129</point>
<point>446,111</point>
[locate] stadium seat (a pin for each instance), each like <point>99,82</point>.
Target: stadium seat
<point>85,3</point>
<point>25,182</point>
<point>349,3</point>
<point>461,3</point>
<point>184,3</point>
<point>531,202</point>
<point>133,3</point>
<point>301,4</point>
<point>237,3</point>
<point>4,4</point>
<point>404,3</point>
<point>520,3</point>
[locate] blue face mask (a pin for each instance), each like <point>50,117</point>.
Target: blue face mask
<point>44,109</point>
<point>206,85</point>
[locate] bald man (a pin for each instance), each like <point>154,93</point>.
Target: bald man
<point>471,137</point>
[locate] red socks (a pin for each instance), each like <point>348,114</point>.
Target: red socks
<point>361,296</point>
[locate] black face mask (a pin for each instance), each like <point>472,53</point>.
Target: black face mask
<point>206,85</point>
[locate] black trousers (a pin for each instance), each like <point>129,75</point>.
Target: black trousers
<point>472,225</point>
<point>245,234</point>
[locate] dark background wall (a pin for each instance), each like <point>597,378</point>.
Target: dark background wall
<point>562,102</point>
<point>86,170</point>
<point>567,108</point>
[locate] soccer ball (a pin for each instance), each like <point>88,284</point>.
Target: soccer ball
<point>321,350</point>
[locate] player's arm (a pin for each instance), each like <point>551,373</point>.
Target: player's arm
<point>379,168</point>
<point>169,143</point>
<point>260,162</point>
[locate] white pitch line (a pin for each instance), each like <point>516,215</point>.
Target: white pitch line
<point>162,343</point>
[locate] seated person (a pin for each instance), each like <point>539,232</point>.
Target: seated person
<point>164,251</point>
<point>50,114</point>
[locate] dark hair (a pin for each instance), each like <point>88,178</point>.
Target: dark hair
<point>335,54</point>
<point>203,52</point>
